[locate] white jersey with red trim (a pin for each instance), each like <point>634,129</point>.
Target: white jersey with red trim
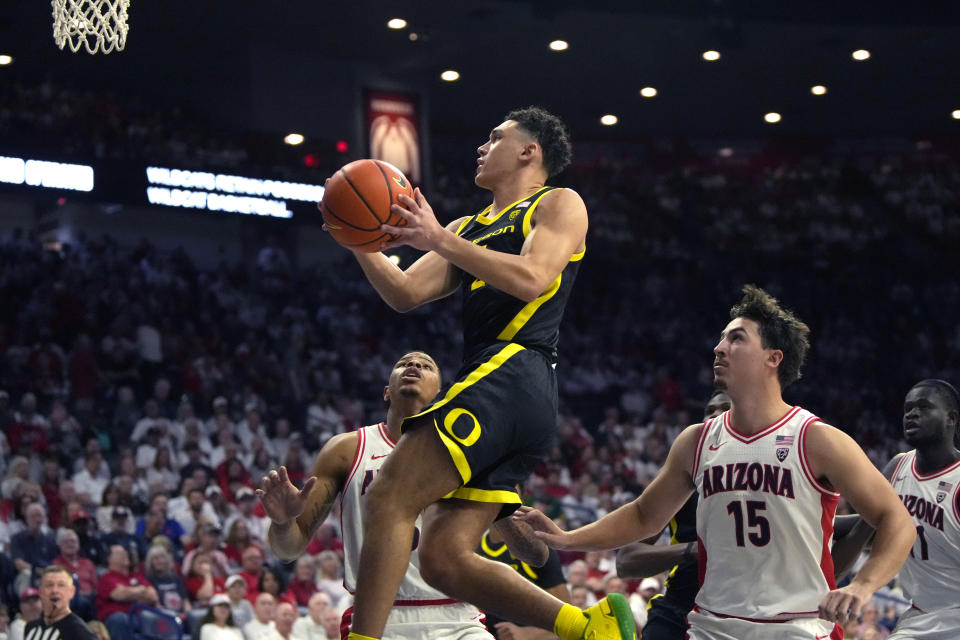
<point>931,574</point>
<point>764,523</point>
<point>373,448</point>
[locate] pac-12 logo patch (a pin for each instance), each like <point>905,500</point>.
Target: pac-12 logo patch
<point>784,443</point>
<point>782,453</point>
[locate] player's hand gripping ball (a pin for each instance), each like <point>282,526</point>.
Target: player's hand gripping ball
<point>357,199</point>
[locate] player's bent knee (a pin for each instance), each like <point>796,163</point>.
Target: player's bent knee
<point>441,570</point>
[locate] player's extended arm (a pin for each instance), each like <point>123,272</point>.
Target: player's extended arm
<point>642,518</point>
<point>430,278</point>
<point>835,456</point>
<point>558,231</point>
<point>295,515</point>
<point>642,559</point>
<point>847,547</point>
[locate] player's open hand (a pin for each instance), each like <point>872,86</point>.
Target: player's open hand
<point>280,498</point>
<point>843,605</point>
<point>422,230</point>
<point>543,527</point>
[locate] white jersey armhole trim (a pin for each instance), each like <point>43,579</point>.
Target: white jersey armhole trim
<point>805,462</point>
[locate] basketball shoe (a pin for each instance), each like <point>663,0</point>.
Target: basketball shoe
<point>610,619</point>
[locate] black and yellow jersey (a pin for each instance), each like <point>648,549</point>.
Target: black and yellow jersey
<point>490,315</point>
<point>683,581</point>
<point>545,577</point>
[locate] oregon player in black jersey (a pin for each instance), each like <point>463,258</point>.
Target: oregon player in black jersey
<point>517,261</point>
<point>667,612</point>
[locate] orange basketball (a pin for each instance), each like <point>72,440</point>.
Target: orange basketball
<point>357,201</point>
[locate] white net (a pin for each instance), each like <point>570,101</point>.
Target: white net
<point>100,26</point>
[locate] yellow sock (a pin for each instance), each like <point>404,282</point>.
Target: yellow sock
<point>357,636</point>
<point>570,623</point>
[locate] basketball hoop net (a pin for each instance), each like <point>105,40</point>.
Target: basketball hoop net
<point>100,26</point>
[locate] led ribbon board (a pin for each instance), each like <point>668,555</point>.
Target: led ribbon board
<point>220,192</point>
<point>47,175</point>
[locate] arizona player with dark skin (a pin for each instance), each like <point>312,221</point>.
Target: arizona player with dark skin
<point>460,460</point>
<point>667,613</point>
<point>931,576</point>
<point>297,514</point>
<point>761,350</point>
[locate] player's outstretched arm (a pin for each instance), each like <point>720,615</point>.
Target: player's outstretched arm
<point>296,514</point>
<point>429,278</point>
<point>834,456</point>
<point>847,547</point>
<point>558,232</point>
<point>642,559</point>
<point>642,518</point>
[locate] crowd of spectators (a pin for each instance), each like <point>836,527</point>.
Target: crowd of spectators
<point>142,398</point>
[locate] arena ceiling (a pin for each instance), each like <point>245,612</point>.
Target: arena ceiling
<point>772,53</point>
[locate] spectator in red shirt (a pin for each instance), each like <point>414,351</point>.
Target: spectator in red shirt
<point>84,572</point>
<point>238,539</point>
<point>302,586</point>
<point>251,563</point>
<point>118,590</point>
<point>202,583</point>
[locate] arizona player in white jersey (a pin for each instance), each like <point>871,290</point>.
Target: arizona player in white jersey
<point>345,467</point>
<point>769,477</point>
<point>927,479</point>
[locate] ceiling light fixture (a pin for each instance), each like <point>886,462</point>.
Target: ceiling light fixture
<point>396,23</point>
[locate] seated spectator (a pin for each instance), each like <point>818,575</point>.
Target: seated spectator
<point>118,590</point>
<point>869,620</point>
<point>330,576</point>
<point>149,527</point>
<point>171,528</point>
<point>250,569</point>
<point>262,627</point>
<point>33,548</point>
<point>331,623</point>
<point>119,532</point>
<point>162,474</point>
<point>91,544</point>
<point>196,511</point>
<point>83,570</point>
<point>30,610</point>
<point>90,482</point>
<point>162,574</point>
<point>246,509</point>
<point>285,617</point>
<point>113,497</point>
<point>238,539</point>
<point>201,583</point>
<point>223,509</point>
<point>208,542</point>
<point>310,626</point>
<point>99,629</point>
<point>195,459</point>
<point>219,624</point>
<point>272,582</point>
<point>240,607</point>
<point>302,586</point>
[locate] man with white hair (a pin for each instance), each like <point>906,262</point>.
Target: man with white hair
<point>262,627</point>
<point>33,548</point>
<point>310,626</point>
<point>83,568</point>
<point>286,616</point>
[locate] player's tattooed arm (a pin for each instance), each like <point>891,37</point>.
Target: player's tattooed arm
<point>296,514</point>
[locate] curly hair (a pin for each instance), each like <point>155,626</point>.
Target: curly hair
<point>549,132</point>
<point>779,329</point>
